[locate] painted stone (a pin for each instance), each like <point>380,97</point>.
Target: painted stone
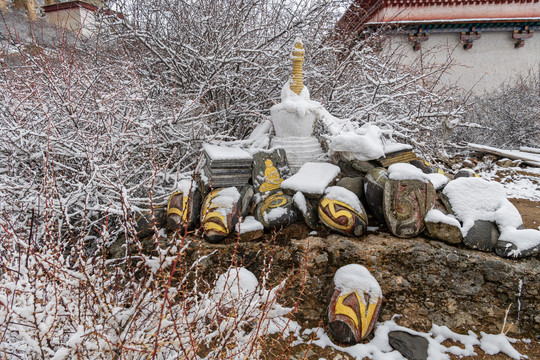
<point>483,236</point>
<point>340,215</point>
<point>374,192</point>
<point>406,203</point>
<point>269,170</point>
<point>308,208</point>
<point>145,222</point>
<point>219,213</point>
<point>275,211</point>
<point>355,304</point>
<point>412,347</point>
<point>183,211</point>
<point>426,167</point>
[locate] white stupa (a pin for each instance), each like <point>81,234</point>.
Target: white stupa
<point>295,117</point>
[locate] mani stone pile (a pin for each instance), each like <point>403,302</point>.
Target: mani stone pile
<point>407,199</point>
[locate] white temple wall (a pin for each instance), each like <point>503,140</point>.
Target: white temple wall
<point>74,19</point>
<point>491,61</point>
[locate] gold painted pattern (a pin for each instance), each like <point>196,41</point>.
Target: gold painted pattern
<point>297,82</point>
<point>183,212</point>
<point>273,201</point>
<point>209,218</point>
<point>271,174</point>
<point>365,316</point>
<point>331,206</point>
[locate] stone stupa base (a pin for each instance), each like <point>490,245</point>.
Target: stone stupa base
<point>300,150</point>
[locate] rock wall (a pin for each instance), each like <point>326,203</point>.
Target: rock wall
<point>425,281</point>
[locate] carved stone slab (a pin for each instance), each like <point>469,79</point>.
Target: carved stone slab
<point>342,217</point>
<point>219,213</point>
<point>269,170</point>
<point>183,209</point>
<point>406,203</point>
<point>276,211</point>
<point>355,304</point>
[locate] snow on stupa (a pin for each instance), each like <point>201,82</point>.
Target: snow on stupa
<point>294,118</point>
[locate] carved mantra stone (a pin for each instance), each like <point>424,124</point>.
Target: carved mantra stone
<point>374,191</point>
<point>269,170</point>
<point>219,213</point>
<point>355,304</point>
<point>277,210</point>
<point>342,217</point>
<point>406,203</point>
<point>183,209</point>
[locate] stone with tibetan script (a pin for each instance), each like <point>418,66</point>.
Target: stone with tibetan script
<point>219,213</point>
<point>341,211</point>
<point>149,221</point>
<point>184,206</point>
<point>406,203</point>
<point>374,192</point>
<point>276,211</point>
<point>270,168</point>
<point>355,304</point>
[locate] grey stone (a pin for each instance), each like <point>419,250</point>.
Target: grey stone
<point>509,250</point>
<point>246,197</point>
<point>413,347</point>
<point>406,203</point>
<point>363,166</point>
<point>426,167</point>
<point>145,222</point>
<point>354,184</point>
<point>445,232</point>
<point>311,216</point>
<point>276,211</point>
<point>482,236</point>
<point>464,173</point>
<point>374,192</point>
<point>269,170</point>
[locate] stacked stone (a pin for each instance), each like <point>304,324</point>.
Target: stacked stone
<point>227,166</point>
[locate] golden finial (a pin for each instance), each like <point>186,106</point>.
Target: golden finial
<point>297,57</point>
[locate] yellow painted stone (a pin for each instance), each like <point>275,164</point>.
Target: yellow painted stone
<point>271,174</point>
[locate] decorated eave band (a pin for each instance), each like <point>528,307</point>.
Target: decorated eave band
<point>468,32</point>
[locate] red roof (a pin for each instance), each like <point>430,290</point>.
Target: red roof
<point>361,12</point>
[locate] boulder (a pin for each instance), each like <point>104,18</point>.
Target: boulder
<point>465,173</point>
<point>246,200</point>
<point>219,213</point>
<point>308,208</point>
<point>276,211</point>
<point>406,203</point>
<point>270,168</point>
<point>355,304</point>
<point>341,211</point>
<point>441,226</point>
<point>374,192</point>
<point>413,347</point>
<point>249,229</point>
<point>311,179</point>
<point>145,222</point>
<point>509,250</point>
<point>482,236</point>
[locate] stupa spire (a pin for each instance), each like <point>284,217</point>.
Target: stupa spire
<point>297,57</point>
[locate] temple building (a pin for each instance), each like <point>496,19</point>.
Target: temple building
<point>77,16</point>
<point>488,42</point>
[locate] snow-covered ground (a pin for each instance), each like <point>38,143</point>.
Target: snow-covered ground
<point>519,183</point>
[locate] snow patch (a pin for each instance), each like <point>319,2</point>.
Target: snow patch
<point>249,224</point>
<point>354,277</point>
<point>341,194</point>
<point>312,178</point>
<point>437,216</point>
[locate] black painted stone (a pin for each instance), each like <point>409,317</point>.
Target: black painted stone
<point>374,192</point>
<point>483,236</point>
<point>507,249</point>
<point>311,215</point>
<point>413,347</point>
